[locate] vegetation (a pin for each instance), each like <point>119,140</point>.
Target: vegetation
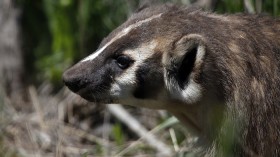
<point>54,35</point>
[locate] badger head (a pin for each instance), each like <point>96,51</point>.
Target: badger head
<point>152,60</point>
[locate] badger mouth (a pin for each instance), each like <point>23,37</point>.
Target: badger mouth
<point>95,96</point>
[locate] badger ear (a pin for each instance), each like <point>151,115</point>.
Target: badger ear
<point>183,65</point>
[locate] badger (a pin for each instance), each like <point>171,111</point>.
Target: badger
<point>218,74</point>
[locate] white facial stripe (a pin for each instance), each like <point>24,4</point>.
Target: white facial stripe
<point>128,78</point>
<point>139,55</point>
<point>118,36</point>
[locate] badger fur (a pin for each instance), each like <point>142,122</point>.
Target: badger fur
<point>218,74</point>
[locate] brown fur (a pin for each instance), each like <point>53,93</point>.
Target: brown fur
<point>242,64</point>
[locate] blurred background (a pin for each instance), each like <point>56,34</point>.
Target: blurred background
<point>39,39</point>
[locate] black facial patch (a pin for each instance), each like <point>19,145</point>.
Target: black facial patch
<point>149,78</point>
<point>92,80</point>
<point>186,67</point>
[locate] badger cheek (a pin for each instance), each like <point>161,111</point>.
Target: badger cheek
<point>121,91</point>
<point>124,84</point>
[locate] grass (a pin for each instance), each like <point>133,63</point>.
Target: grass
<point>63,124</point>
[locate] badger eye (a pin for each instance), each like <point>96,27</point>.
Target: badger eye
<point>123,61</point>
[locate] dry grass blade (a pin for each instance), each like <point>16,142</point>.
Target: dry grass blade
<point>174,139</point>
<point>36,104</point>
<point>249,6</point>
<point>169,122</point>
<point>78,132</point>
<point>119,112</point>
<point>33,142</point>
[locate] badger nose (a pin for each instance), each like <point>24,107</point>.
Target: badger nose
<point>73,81</point>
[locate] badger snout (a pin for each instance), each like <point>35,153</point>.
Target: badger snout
<point>76,78</point>
<point>90,81</point>
<point>74,81</point>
